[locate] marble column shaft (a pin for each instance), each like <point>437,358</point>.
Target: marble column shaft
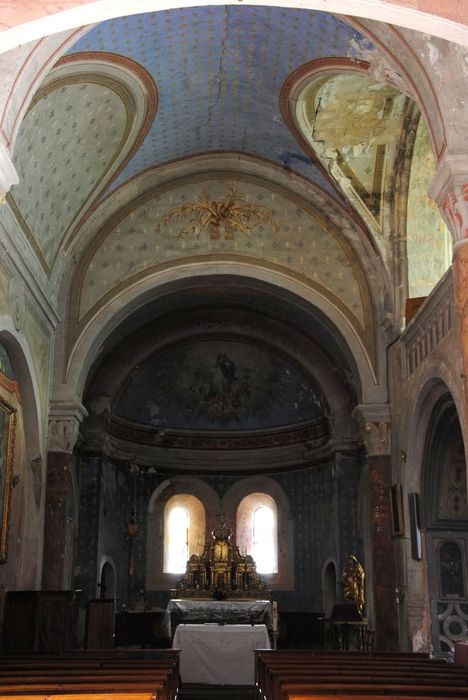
<point>383,567</point>
<point>55,525</point>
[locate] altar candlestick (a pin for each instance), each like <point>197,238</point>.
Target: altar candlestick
<point>274,616</point>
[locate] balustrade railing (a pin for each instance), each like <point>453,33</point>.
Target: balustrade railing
<point>431,323</point>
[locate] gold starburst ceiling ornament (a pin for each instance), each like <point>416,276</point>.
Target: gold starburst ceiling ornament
<point>222,217</point>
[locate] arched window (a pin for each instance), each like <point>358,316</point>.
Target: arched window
<point>263,548</point>
<point>184,531</point>
<point>178,528</point>
<point>257,531</point>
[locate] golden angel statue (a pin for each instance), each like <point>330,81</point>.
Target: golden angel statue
<point>352,580</point>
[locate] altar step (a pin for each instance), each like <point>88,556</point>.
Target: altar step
<point>216,692</point>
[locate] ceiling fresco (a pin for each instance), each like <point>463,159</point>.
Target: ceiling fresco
<point>219,384</point>
<point>194,219</point>
<point>429,243</point>
<point>219,80</point>
<point>355,125</point>
<point>353,121</point>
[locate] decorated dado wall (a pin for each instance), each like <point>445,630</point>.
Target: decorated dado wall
<point>323,501</point>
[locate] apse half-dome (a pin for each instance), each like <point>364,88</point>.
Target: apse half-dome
<point>219,385</point>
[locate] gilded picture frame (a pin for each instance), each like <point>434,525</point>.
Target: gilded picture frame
<point>7,455</point>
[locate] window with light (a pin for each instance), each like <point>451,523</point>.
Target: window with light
<point>178,524</point>
<point>257,531</point>
<point>184,532</point>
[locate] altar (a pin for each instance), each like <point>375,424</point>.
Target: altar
<point>220,571</point>
<point>217,654</point>
<point>232,612</point>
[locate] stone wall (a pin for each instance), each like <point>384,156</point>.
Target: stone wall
<point>323,504</point>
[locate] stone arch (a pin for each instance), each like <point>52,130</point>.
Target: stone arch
<point>107,587</point>
<point>431,389</point>
<point>156,579</point>
<point>284,579</point>
<point>21,359</point>
<point>32,23</point>
<point>31,472</point>
<point>329,586</point>
<point>445,524</point>
<point>88,344</point>
<point>435,382</point>
<point>194,523</point>
<point>247,511</point>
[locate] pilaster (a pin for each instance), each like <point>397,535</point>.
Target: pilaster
<point>374,420</point>
<point>64,422</point>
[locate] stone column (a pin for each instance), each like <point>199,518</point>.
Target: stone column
<point>380,567</point>
<point>64,421</point>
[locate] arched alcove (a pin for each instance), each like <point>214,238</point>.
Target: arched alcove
<point>107,581</point>
<point>198,498</point>
<point>240,501</point>
<point>24,558</point>
<point>329,588</point>
<point>445,519</point>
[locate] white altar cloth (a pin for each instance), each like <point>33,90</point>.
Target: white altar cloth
<point>219,654</point>
<point>241,611</point>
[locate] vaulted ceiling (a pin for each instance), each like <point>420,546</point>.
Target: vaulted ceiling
<point>294,88</point>
<point>286,141</point>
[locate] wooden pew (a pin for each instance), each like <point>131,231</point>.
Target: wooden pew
<point>308,675</point>
<point>99,675</point>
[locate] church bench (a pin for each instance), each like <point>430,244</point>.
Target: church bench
<point>121,655</point>
<point>298,693</point>
<point>278,673</point>
<point>306,691</point>
<point>439,687</point>
<point>151,689</point>
<point>354,660</point>
<point>343,667</point>
<point>158,685</point>
<point>82,675</point>
<point>127,695</point>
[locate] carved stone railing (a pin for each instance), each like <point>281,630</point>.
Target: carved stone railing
<point>432,322</point>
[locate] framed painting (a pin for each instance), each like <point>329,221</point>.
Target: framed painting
<point>7,450</point>
<point>396,508</point>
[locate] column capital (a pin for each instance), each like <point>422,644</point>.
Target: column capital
<point>374,420</point>
<point>449,189</point>
<point>8,174</point>
<point>64,424</point>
